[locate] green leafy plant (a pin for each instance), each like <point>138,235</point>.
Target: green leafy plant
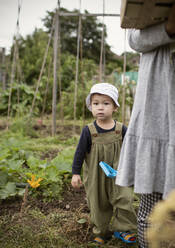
<point>18,165</point>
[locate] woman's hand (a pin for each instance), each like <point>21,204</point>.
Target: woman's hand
<point>76,181</point>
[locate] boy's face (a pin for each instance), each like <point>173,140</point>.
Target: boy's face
<point>102,106</point>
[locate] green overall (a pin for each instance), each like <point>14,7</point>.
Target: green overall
<point>108,203</point>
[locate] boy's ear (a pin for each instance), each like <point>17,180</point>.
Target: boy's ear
<point>115,109</point>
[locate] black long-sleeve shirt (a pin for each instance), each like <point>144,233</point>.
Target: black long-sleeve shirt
<point>84,145</point>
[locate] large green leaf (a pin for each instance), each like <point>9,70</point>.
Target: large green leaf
<point>14,165</point>
<point>63,166</point>
<point>63,161</point>
<point>52,174</point>
<point>8,190</point>
<point>35,163</point>
<point>4,154</point>
<point>3,177</point>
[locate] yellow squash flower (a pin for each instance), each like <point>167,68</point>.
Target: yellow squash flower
<point>34,183</point>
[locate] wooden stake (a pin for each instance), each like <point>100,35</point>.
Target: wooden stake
<point>55,65</point>
<point>77,71</point>
<point>124,82</point>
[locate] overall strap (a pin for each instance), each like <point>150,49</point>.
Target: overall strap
<point>118,127</point>
<point>92,129</point>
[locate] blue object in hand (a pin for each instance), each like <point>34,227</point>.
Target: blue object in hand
<point>108,170</point>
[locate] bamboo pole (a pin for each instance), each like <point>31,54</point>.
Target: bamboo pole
<point>12,79</point>
<point>14,61</point>
<point>82,75</point>
<point>3,70</point>
<point>55,66</point>
<point>46,90</point>
<point>124,82</point>
<point>101,68</point>
<point>86,14</point>
<point>41,72</point>
<point>77,70</point>
<point>59,68</point>
<point>20,77</point>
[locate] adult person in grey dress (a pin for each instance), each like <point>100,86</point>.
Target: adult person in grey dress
<point>147,158</point>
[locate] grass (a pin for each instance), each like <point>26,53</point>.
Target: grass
<point>51,225</point>
<point>37,230</point>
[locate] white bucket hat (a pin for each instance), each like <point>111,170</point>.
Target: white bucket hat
<point>104,89</point>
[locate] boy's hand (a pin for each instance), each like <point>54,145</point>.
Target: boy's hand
<point>76,181</point>
<point>170,26</point>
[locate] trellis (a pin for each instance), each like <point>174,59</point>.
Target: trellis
<point>55,30</point>
<point>102,54</point>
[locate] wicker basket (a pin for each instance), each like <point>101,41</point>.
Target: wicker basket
<point>143,13</point>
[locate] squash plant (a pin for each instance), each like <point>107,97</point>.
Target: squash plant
<point>17,165</point>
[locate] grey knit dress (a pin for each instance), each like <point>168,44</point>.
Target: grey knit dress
<point>147,158</point>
